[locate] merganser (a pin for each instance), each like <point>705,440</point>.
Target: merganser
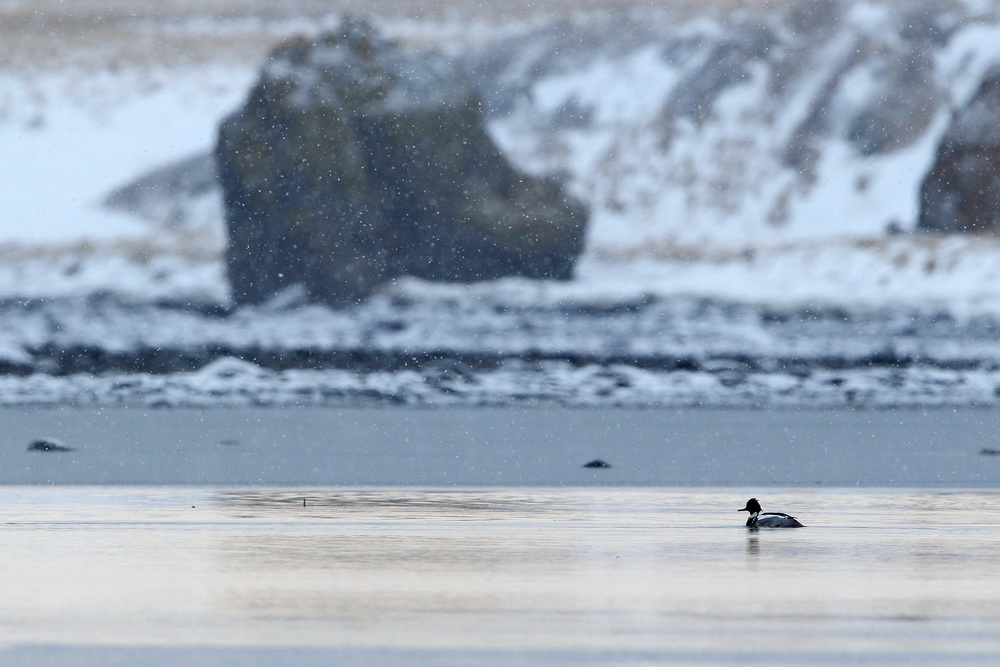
<point>760,519</point>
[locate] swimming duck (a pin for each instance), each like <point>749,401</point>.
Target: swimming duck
<point>760,519</point>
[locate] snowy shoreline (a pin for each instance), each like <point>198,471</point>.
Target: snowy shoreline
<point>461,347</point>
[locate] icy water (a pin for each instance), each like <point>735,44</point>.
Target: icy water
<point>540,446</point>
<point>126,575</point>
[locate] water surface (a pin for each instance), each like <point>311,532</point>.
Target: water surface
<point>540,446</point>
<point>495,576</point>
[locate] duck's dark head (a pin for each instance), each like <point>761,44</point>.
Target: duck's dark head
<point>752,506</point>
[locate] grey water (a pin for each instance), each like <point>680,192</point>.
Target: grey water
<point>540,446</point>
<point>528,575</point>
<point>406,536</point>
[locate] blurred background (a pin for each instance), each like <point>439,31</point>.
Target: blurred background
<point>788,203</point>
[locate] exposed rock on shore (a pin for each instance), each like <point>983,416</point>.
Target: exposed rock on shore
<point>962,191</point>
<point>172,195</point>
<point>355,161</point>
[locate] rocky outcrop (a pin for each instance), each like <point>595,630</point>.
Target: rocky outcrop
<point>683,131</point>
<point>788,122</point>
<point>354,161</point>
<point>170,195</point>
<point>961,193</point>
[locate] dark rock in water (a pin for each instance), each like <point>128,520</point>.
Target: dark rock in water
<point>597,463</point>
<point>962,191</point>
<point>986,451</point>
<point>355,161</point>
<point>48,445</point>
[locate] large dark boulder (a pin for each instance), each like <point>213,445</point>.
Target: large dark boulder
<point>961,193</point>
<point>354,161</point>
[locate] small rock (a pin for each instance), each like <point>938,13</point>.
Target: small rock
<point>986,451</point>
<point>48,445</point>
<point>597,463</point>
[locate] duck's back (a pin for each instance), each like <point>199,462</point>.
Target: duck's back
<point>778,520</point>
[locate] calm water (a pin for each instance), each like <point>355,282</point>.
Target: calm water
<point>495,576</point>
<point>543,446</point>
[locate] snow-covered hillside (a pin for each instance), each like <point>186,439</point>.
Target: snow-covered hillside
<point>762,148</point>
<point>743,170</point>
<point>764,128</point>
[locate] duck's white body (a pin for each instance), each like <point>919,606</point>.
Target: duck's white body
<point>760,519</point>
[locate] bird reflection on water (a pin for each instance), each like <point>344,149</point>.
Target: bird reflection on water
<point>753,545</point>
